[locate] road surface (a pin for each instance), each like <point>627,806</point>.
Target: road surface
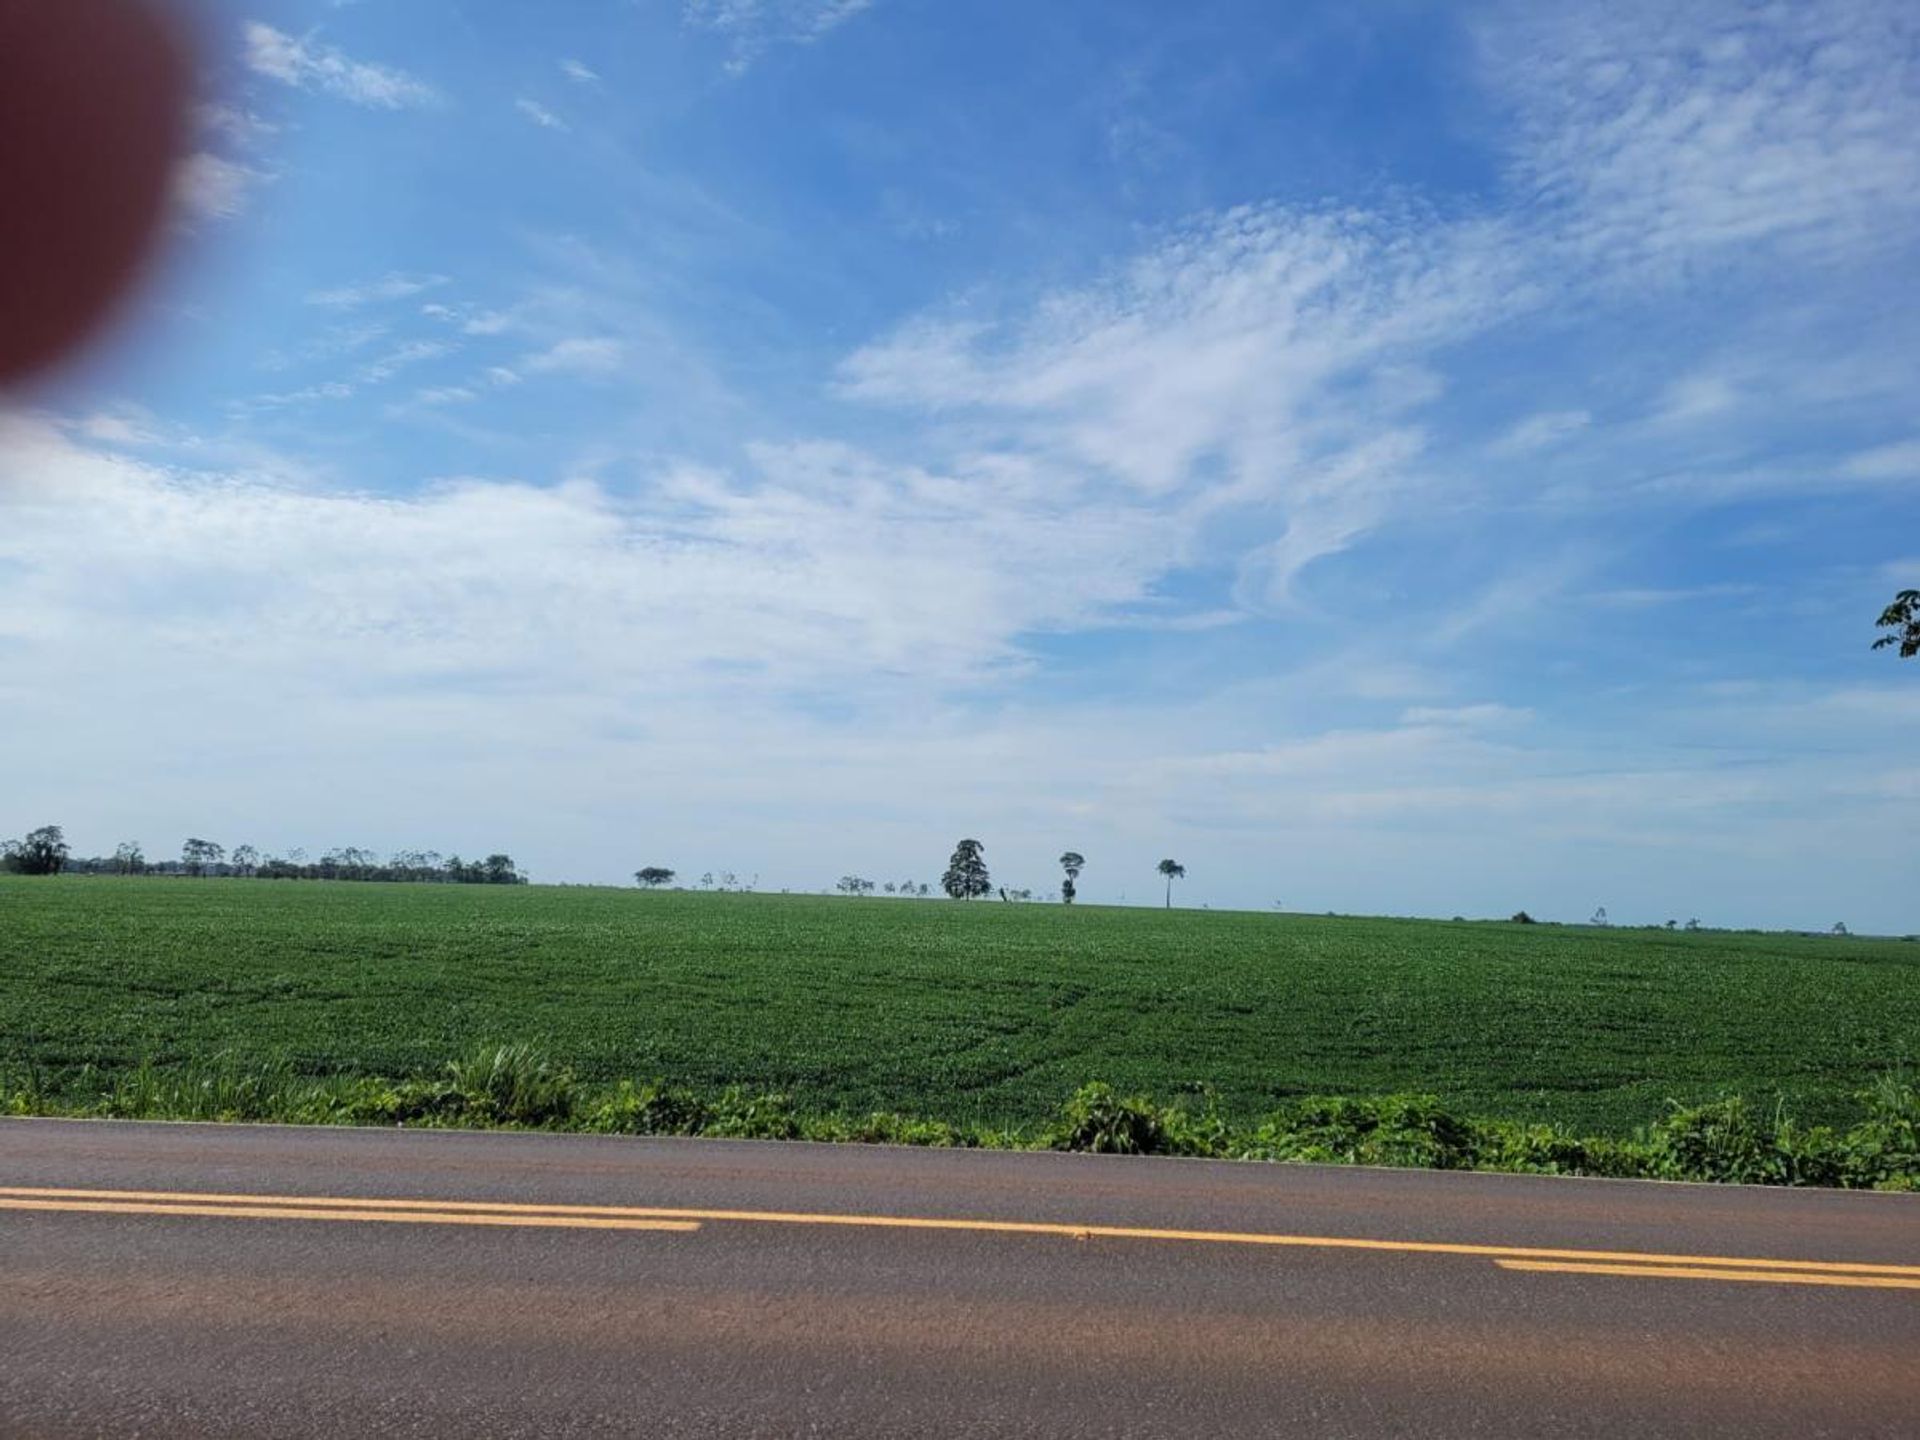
<point>167,1280</point>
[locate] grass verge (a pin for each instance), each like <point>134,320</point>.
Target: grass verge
<point>519,1087</point>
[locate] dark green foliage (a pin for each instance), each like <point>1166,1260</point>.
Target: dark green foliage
<point>1902,617</point>
<point>741,1114</point>
<point>38,852</point>
<point>651,1109</point>
<point>966,877</point>
<point>517,1086</point>
<point>1173,870</point>
<point>1073,862</point>
<point>1099,1121</point>
<point>1408,1130</point>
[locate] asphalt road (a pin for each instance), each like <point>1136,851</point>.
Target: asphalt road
<point>219,1280</point>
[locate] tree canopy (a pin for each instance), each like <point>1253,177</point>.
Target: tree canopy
<point>1902,617</point>
<point>1072,862</point>
<point>1173,870</point>
<point>38,852</point>
<point>966,877</point>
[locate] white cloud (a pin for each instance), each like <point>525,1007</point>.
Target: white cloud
<point>579,73</point>
<point>632,647</point>
<point>400,358</point>
<point>235,125</point>
<point>307,65</point>
<point>578,356</point>
<point>210,187</point>
<point>1256,359</point>
<point>1698,397</point>
<point>445,395</point>
<point>392,287</point>
<point>1657,136</point>
<point>755,26</point>
<point>1539,432</point>
<point>539,114</point>
<point>1466,715</point>
<point>1898,461</point>
<point>822,566</point>
<point>1648,597</point>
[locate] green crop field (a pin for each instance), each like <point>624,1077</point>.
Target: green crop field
<point>971,1013</point>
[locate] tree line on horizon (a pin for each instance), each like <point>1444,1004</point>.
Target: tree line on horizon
<point>966,878</point>
<point>45,852</point>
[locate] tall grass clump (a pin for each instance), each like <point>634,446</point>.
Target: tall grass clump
<point>512,1085</point>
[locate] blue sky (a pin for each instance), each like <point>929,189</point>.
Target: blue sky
<point>1405,458</point>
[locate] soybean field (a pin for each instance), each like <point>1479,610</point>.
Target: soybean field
<point>972,1013</point>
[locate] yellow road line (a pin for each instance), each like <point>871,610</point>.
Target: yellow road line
<point>1692,1272</point>
<point>401,1217</point>
<point>172,1199</point>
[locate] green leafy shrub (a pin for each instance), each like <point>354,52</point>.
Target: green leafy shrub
<point>1389,1130</point>
<point>883,1127</point>
<point>651,1109</point>
<point>1727,1140</point>
<point>1883,1150</point>
<point>1096,1120</point>
<point>739,1115</point>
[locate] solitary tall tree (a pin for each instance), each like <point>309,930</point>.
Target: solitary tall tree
<point>653,876</point>
<point>966,877</point>
<point>1902,617</point>
<point>1173,870</point>
<point>1071,862</point>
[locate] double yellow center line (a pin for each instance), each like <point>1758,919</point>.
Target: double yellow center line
<point>622,1217</point>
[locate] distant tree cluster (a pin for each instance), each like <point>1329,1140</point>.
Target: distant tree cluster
<point>38,852</point>
<point>45,852</point>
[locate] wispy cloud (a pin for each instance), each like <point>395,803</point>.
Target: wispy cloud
<point>1539,432</point>
<point>755,26</point>
<point>305,64</point>
<point>579,73</point>
<point>391,287</point>
<point>1656,136</point>
<point>399,358</point>
<point>1254,359</point>
<point>445,395</point>
<point>597,355</point>
<point>211,187</point>
<point>1466,715</point>
<point>214,182</point>
<point>1646,598</point>
<point>376,371</point>
<point>1898,461</point>
<point>539,114</point>
<point>1698,397</point>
